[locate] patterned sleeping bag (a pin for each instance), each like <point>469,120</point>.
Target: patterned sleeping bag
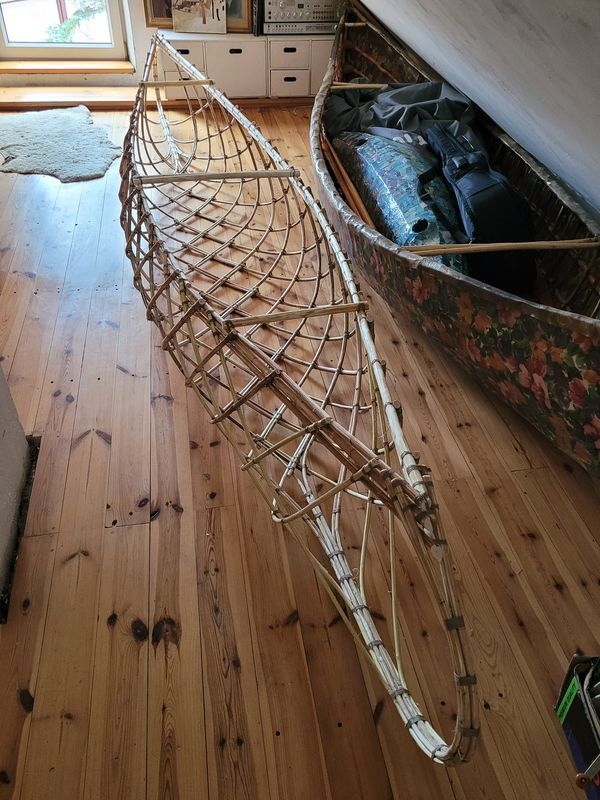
<point>407,200</point>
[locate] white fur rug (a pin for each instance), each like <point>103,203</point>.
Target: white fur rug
<point>63,142</point>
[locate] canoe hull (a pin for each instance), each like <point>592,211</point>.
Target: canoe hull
<point>543,362</point>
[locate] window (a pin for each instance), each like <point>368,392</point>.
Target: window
<point>61,29</point>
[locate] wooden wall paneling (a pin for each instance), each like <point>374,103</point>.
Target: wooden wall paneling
<point>56,754</point>
<point>237,762</point>
<point>176,735</point>
<point>20,645</point>
<point>128,495</point>
<point>115,765</point>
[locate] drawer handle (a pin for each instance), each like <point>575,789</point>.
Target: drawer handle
<point>235,51</point>
<point>289,49</point>
<point>290,79</point>
<point>184,51</point>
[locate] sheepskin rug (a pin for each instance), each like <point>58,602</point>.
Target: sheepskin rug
<point>62,142</point>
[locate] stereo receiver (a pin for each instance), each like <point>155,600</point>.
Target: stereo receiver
<point>301,16</point>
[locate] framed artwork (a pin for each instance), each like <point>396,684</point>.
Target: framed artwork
<point>199,16</point>
<point>239,16</point>
<point>158,13</point>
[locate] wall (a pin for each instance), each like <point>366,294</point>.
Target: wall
<point>14,455</point>
<point>532,65</point>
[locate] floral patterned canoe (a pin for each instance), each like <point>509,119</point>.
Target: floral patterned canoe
<point>543,359</point>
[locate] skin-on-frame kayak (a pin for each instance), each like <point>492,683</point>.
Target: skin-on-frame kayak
<point>256,303</point>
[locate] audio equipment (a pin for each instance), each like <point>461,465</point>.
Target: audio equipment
<point>300,16</point>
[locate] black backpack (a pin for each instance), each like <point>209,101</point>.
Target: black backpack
<point>490,211</point>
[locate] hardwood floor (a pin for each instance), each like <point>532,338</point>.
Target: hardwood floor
<point>165,640</point>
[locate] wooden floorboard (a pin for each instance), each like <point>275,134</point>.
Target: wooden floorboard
<point>167,640</point>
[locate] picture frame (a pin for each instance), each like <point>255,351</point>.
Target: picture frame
<point>239,16</point>
<point>158,13</point>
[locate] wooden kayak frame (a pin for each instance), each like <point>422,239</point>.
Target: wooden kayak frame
<point>208,340</point>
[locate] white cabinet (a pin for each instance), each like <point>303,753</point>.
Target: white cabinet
<point>320,52</point>
<point>293,54</point>
<point>238,67</point>
<point>243,65</point>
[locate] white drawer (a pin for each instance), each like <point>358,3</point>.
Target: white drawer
<point>191,51</point>
<point>319,59</point>
<point>238,68</point>
<point>289,54</point>
<point>290,82</point>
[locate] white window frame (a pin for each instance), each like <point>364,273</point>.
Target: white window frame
<point>59,50</point>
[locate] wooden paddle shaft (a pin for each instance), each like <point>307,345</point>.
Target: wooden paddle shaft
<point>344,86</point>
<point>494,247</point>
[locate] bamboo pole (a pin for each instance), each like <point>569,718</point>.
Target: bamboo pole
<point>186,177</point>
<point>180,82</point>
<point>498,247</point>
<point>345,86</point>
<point>302,313</point>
